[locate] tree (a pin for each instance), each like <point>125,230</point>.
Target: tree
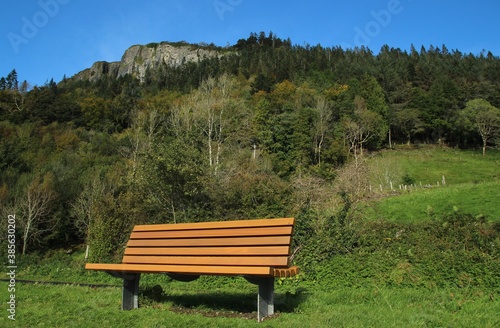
<point>409,122</point>
<point>324,115</point>
<point>20,95</point>
<point>146,125</point>
<point>261,83</point>
<point>213,105</point>
<point>375,101</point>
<point>302,137</point>
<point>482,117</point>
<point>97,113</point>
<point>172,178</point>
<point>374,96</point>
<point>85,208</point>
<point>107,210</point>
<point>13,96</point>
<point>12,83</point>
<point>362,127</point>
<point>35,207</point>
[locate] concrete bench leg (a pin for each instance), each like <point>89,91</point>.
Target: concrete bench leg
<point>130,292</point>
<point>265,299</point>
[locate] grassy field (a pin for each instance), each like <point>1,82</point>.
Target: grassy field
<point>472,184</point>
<point>196,305</point>
<point>423,204</point>
<point>428,164</point>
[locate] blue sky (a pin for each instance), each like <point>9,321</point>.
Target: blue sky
<point>44,39</point>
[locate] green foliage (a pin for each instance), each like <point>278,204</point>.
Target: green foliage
<point>172,182</point>
<point>250,194</point>
<point>408,180</point>
<point>480,116</point>
<point>318,242</point>
<point>457,251</point>
<point>262,83</point>
<point>113,215</point>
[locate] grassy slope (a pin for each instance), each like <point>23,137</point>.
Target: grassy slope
<point>472,184</point>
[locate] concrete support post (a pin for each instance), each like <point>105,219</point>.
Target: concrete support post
<point>265,301</point>
<point>130,292</point>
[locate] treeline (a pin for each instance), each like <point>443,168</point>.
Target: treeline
<point>270,129</point>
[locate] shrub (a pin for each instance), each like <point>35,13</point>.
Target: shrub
<point>408,180</point>
<point>458,250</point>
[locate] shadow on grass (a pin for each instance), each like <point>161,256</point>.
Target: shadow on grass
<point>219,303</point>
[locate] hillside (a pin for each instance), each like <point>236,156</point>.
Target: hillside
<point>264,128</point>
<point>431,182</point>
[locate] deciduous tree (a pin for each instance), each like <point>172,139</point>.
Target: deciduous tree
<point>34,206</point>
<point>361,128</point>
<point>484,118</point>
<point>408,122</point>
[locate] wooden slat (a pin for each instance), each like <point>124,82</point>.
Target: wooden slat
<point>186,269</point>
<point>217,225</point>
<point>202,242</point>
<point>285,272</point>
<point>233,232</point>
<point>209,260</point>
<point>210,251</point>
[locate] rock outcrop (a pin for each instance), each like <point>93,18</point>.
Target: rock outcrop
<point>139,58</point>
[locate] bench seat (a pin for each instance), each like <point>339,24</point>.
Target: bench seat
<point>200,270</point>
<point>258,250</point>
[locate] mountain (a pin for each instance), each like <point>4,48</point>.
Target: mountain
<point>139,58</point>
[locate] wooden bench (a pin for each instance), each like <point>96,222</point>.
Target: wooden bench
<point>258,250</point>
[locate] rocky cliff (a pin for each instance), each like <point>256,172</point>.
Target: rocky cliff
<point>137,59</point>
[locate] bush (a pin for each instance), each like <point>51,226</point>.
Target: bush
<point>459,250</point>
<point>109,230</point>
<point>408,180</point>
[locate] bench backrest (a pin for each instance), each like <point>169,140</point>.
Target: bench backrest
<point>261,243</point>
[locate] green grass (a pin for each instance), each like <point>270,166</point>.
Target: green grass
<point>472,184</point>
<point>186,305</point>
<point>477,199</point>
<point>428,165</point>
<point>231,302</point>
